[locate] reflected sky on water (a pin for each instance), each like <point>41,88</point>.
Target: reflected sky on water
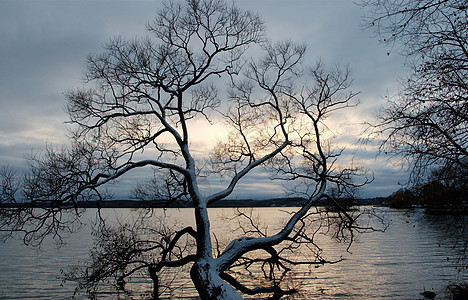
<point>414,254</point>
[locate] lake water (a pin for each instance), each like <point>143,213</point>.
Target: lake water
<point>414,254</point>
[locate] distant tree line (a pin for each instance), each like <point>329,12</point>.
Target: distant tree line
<point>444,192</point>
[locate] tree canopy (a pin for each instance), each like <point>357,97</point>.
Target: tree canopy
<point>426,123</point>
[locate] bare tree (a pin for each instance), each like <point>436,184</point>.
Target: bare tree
<point>138,112</point>
<point>427,122</point>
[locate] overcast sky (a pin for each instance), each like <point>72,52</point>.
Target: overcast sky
<point>43,47</point>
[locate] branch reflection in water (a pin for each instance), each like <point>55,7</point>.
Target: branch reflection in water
<point>414,254</point>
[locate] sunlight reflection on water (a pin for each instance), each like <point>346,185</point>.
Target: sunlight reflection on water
<point>413,255</point>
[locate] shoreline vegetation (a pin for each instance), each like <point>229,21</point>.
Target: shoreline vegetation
<point>242,203</point>
<point>273,202</point>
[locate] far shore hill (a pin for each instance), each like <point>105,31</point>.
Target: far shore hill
<point>274,202</point>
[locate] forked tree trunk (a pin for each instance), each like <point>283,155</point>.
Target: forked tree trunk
<point>204,272</point>
<point>209,284</point>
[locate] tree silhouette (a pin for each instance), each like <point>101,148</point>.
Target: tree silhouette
<point>426,123</point>
<point>139,109</point>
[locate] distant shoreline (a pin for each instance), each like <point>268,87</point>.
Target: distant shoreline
<point>276,202</point>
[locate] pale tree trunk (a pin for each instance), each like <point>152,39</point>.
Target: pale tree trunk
<point>209,284</point>
<point>205,271</point>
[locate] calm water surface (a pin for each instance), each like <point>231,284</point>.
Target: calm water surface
<point>414,254</point>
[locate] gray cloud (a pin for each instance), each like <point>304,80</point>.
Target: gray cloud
<point>44,45</point>
<point>42,54</point>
